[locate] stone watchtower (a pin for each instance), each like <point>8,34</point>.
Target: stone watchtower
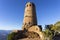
<point>30,20</point>
<point>29,16</point>
<point>30,24</point>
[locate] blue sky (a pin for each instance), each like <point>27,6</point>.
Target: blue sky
<point>12,12</point>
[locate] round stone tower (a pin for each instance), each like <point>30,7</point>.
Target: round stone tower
<point>29,16</point>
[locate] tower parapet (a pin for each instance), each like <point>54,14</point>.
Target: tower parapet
<point>29,16</point>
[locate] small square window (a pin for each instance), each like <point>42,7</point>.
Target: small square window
<point>30,4</point>
<point>27,5</point>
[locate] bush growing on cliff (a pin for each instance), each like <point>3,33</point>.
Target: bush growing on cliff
<point>11,36</point>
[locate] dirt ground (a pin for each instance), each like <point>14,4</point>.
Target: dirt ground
<point>30,39</point>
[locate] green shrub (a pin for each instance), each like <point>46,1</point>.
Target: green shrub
<point>11,36</point>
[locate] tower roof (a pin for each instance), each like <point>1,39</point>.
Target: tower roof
<point>30,3</point>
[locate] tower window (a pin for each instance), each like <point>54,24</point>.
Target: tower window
<point>27,5</point>
<point>30,4</point>
<point>29,23</point>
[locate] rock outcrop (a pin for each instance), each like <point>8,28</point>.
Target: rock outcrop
<point>26,35</point>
